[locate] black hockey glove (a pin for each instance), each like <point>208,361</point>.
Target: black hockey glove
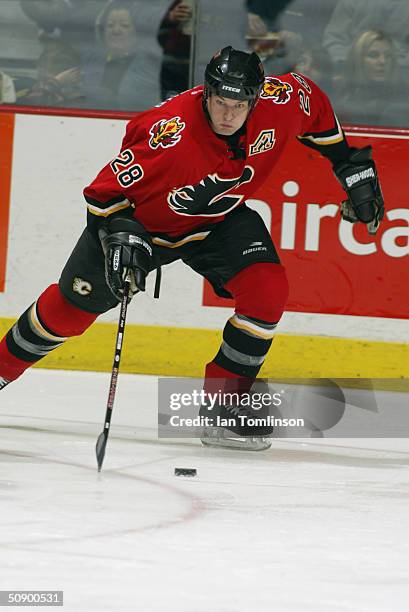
<point>358,177</point>
<point>128,250</point>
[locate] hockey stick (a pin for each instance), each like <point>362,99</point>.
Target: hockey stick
<point>103,436</point>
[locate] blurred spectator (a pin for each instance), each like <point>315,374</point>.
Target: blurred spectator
<point>59,79</point>
<point>174,36</point>
<point>314,62</point>
<point>352,17</point>
<point>19,46</point>
<point>120,74</point>
<point>280,31</point>
<point>71,21</point>
<point>218,24</point>
<point>263,14</point>
<point>278,48</point>
<point>7,90</point>
<point>279,51</point>
<point>370,89</point>
<point>276,30</point>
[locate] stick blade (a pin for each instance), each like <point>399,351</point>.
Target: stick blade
<point>100,449</point>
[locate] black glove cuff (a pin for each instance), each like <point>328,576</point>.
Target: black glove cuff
<point>126,224</point>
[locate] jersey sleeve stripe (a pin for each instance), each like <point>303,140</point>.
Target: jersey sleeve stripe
<point>100,204</point>
<point>109,210</point>
<point>328,137</point>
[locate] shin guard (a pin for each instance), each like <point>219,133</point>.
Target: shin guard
<point>260,292</point>
<point>41,328</point>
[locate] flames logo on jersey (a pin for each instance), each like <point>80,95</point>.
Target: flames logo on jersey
<point>166,132</point>
<point>210,197</point>
<point>276,90</point>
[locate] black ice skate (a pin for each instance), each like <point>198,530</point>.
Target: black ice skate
<point>237,427</point>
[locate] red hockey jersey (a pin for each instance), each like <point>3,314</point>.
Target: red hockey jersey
<point>180,177</point>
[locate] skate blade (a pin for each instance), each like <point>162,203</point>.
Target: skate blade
<point>225,441</point>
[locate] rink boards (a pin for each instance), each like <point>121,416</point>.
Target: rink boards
<point>347,313</point>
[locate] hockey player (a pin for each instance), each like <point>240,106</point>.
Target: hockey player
<point>177,190</point>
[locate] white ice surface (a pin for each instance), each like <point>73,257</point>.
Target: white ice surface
<point>308,526</point>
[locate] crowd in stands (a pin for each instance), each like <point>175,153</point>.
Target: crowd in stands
<point>132,54</point>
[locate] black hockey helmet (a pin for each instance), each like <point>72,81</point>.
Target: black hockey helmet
<point>234,74</point>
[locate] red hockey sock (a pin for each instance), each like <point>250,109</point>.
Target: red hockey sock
<point>60,316</point>
<point>219,379</point>
<point>260,292</point>
<point>10,366</point>
<point>40,329</point>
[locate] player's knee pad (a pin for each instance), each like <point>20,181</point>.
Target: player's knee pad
<point>92,297</point>
<point>82,280</point>
<point>260,291</point>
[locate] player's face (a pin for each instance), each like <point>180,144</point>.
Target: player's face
<point>378,61</point>
<point>226,115</point>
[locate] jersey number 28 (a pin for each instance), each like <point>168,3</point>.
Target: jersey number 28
<point>125,173</point>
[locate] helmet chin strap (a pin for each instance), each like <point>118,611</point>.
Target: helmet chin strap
<point>204,104</point>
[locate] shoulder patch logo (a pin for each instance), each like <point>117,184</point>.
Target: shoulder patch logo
<point>264,142</point>
<point>166,133</point>
<point>276,90</point>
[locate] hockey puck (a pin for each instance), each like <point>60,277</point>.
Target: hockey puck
<point>185,472</point>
